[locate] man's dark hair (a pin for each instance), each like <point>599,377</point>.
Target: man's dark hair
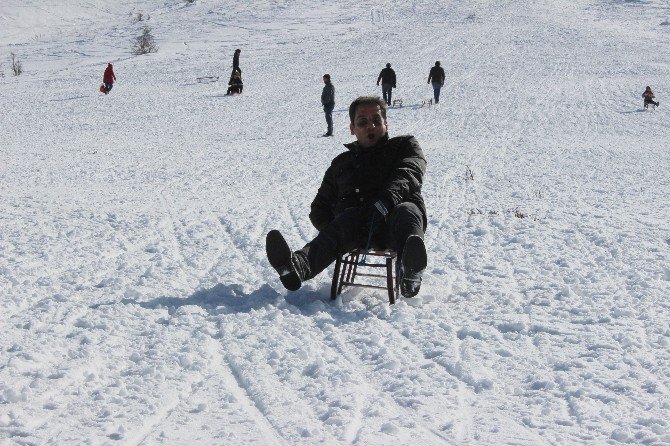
<point>326,76</point>
<point>365,100</point>
<point>437,64</point>
<point>388,65</point>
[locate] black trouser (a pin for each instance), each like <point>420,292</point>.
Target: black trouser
<point>347,232</point>
<point>328,110</point>
<point>387,91</point>
<point>648,101</point>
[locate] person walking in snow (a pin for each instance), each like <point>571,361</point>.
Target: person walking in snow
<point>370,197</point>
<point>648,96</point>
<point>328,102</point>
<point>436,77</point>
<point>236,62</point>
<point>108,78</point>
<point>387,78</point>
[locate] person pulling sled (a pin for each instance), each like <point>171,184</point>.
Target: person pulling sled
<point>388,80</point>
<point>108,79</point>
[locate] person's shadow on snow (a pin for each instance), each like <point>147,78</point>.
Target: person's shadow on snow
<point>227,299</point>
<point>231,297</point>
<point>639,110</point>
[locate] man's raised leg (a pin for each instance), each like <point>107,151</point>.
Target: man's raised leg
<point>406,225</point>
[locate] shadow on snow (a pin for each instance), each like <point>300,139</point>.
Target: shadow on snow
<point>228,299</point>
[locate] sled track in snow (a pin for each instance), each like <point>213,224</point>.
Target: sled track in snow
<point>153,423</point>
<point>338,345</point>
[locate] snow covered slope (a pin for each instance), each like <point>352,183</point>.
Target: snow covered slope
<point>137,303</point>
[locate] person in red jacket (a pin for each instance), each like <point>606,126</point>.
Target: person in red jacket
<point>108,78</point>
<point>648,96</point>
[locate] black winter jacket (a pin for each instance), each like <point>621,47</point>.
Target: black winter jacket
<point>387,76</point>
<point>328,95</point>
<point>391,170</point>
<point>436,74</point>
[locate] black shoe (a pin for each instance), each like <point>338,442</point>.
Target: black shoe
<point>328,134</point>
<point>282,260</point>
<point>414,261</point>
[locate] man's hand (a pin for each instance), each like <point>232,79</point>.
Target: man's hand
<point>374,215</point>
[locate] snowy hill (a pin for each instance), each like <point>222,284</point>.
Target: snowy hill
<point>137,303</point>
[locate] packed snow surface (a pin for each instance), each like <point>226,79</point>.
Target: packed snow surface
<point>137,304</point>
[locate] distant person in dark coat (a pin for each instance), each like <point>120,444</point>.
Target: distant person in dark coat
<point>387,78</point>
<point>236,61</point>
<point>436,77</point>
<point>648,96</point>
<point>328,102</point>
<point>108,78</point>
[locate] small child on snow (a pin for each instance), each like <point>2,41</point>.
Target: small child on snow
<point>648,96</point>
<point>235,83</point>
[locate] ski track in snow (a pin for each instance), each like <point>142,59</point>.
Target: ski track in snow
<point>139,308</point>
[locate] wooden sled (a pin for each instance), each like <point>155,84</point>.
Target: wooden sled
<point>347,271</point>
